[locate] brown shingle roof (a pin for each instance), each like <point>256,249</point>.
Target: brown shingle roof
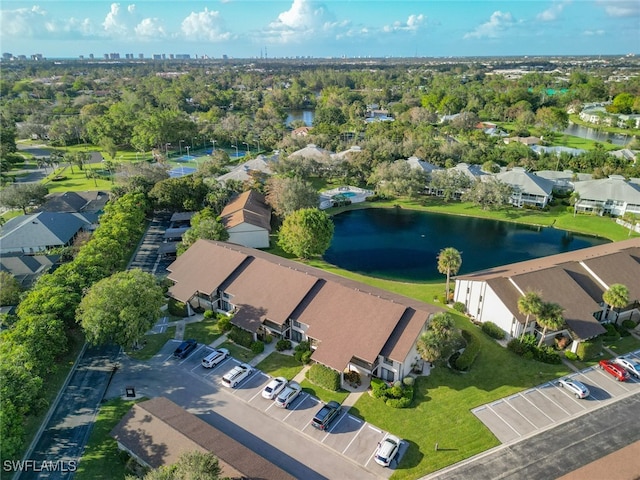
<point>557,286</point>
<point>622,267</point>
<point>264,290</point>
<point>404,335</point>
<point>248,207</point>
<point>158,431</point>
<point>200,272</point>
<point>349,322</point>
<point>203,259</point>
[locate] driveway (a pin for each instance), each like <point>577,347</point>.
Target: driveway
<point>283,436</point>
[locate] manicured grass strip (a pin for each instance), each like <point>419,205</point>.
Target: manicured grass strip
<point>322,394</point>
<point>153,344</point>
<point>441,410</point>
<point>205,331</point>
<point>624,345</point>
<point>280,365</point>
<point>102,459</point>
<point>238,352</point>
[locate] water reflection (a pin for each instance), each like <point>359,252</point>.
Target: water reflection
<point>403,245</point>
<point>593,134</point>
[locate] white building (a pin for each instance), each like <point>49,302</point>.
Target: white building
<point>248,220</point>
<point>608,196</point>
<point>528,189</point>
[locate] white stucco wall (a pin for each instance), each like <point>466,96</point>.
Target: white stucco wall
<point>249,236</point>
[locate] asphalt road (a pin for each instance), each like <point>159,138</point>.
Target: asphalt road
<point>559,450</point>
<point>68,429</point>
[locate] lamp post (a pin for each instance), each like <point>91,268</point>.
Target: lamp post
<point>188,151</point>
<point>245,143</point>
<point>166,149</point>
<point>236,147</point>
<point>213,146</point>
<point>258,140</point>
<point>181,141</point>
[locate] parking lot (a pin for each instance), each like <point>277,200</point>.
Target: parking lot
<point>530,411</point>
<point>348,436</point>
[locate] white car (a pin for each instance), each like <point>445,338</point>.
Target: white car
<point>273,388</point>
<point>575,387</point>
<point>387,450</point>
<point>288,395</point>
<point>629,365</point>
<point>215,357</point>
<point>234,376</point>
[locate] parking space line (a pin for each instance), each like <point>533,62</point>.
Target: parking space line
<point>296,407</point>
<point>335,424</point>
<point>374,428</point>
<point>354,418</point>
<point>352,440</point>
<point>187,358</point>
<point>551,399</point>
<point>212,370</point>
<point>606,375</point>
<point>536,407</point>
<point>502,419</point>
<point>519,413</point>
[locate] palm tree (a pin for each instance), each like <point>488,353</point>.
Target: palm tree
<point>616,296</point>
<point>550,317</point>
<point>449,262</point>
<point>529,304</point>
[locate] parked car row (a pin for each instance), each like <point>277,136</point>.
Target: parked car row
<point>616,370</point>
<point>283,392</point>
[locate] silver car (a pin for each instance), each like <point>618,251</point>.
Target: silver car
<point>288,395</point>
<point>387,450</point>
<point>575,387</point>
<point>274,387</point>
<point>629,365</point>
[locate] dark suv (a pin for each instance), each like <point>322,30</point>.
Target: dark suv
<point>326,415</point>
<point>185,348</point>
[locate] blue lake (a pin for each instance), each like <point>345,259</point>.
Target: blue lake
<point>402,244</point>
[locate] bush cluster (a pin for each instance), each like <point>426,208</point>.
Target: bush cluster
<point>257,347</point>
<point>398,396</point>
<point>283,344</point>
<point>208,314</point>
<point>570,356</point>
<point>303,352</point>
<point>528,348</point>
<point>324,377</point>
<point>629,324</point>
<point>176,308</point>
<point>224,323</point>
<point>493,330</point>
<point>241,337</point>
<point>352,377</point>
<point>460,307</point>
<point>612,333</point>
<point>466,358</point>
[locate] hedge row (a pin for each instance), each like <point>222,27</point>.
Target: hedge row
<point>324,377</point>
<point>528,348</point>
<point>241,337</point>
<point>466,359</point>
<point>493,330</point>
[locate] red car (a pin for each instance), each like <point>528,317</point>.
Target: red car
<point>615,370</point>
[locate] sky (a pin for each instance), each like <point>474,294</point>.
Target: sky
<point>320,29</point>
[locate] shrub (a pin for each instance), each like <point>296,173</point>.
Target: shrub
<point>208,314</point>
<point>460,307</point>
<point>589,349</point>
<point>528,348</point>
<point>306,356</point>
<point>493,330</point>
<point>408,381</point>
<point>352,377</point>
<point>302,352</point>
<point>324,377</point>
<point>257,347</point>
<point>283,344</point>
<point>402,402</point>
<point>629,324</point>
<point>397,383</point>
<point>224,323</point>
<point>379,388</point>
<point>466,358</point>
<point>570,356</point>
<point>612,333</point>
<point>241,337</point>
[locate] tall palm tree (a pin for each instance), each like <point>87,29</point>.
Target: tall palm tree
<point>449,262</point>
<point>616,296</point>
<point>550,317</point>
<point>529,304</point>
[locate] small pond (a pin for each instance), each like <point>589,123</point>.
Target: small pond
<point>402,244</point>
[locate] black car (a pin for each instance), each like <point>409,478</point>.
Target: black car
<point>185,348</point>
<point>326,415</point>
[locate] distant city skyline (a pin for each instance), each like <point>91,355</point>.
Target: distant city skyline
<point>332,28</point>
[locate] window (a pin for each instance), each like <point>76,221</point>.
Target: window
<point>387,361</point>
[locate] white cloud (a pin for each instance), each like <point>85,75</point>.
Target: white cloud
<point>34,22</point>
<point>120,22</point>
<point>305,18</point>
<point>413,23</point>
<point>553,12</point>
<point>593,33</point>
<point>620,8</point>
<point>150,28</point>
<point>206,25</point>
<point>498,23</point>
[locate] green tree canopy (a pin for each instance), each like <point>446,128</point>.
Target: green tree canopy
<point>120,308</point>
<point>616,296</point>
<point>398,178</point>
<point>440,339</point>
<point>529,304</point>
<point>285,195</point>
<point>306,233</point>
<point>549,317</point>
<point>23,195</point>
<point>10,289</point>
<point>190,466</point>
<point>491,194</point>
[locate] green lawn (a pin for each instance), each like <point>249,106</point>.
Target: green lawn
<point>102,459</point>
<point>205,331</point>
<point>238,352</point>
<point>77,180</point>
<point>323,394</point>
<point>441,412</point>
<point>280,365</point>
<point>624,345</point>
<point>154,342</point>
